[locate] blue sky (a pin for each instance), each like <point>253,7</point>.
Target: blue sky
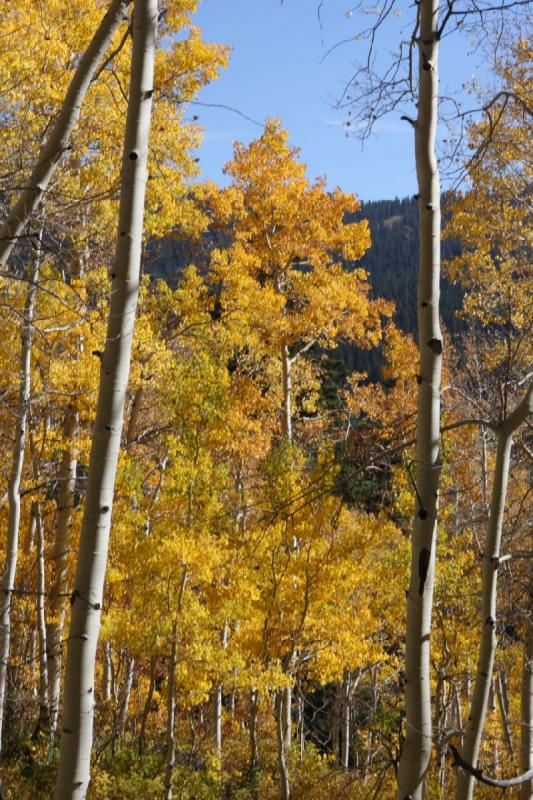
<point>278,68</point>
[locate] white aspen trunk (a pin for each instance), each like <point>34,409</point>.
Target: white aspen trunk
<point>286,413</point>
<point>503,706</point>
<point>44,707</point>
<point>457,712</point>
<point>217,719</point>
<point>171,716</point>
<point>280,736</point>
<point>58,138</point>
<point>416,754</point>
<point>78,707</point>
<point>126,694</point>
<point>526,701</point>
<point>134,415</point>
<point>254,739</point>
<point>468,683</point>
<point>491,557</point>
<point>217,702</point>
<point>171,704</point>
<point>107,675</point>
<point>287,716</point>
<point>60,565</point>
<point>7,579</point>
<point>345,757</point>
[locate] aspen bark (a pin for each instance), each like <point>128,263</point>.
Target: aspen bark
<point>171,716</point>
<point>122,716</point>
<point>74,767</point>
<point>217,719</point>
<point>345,727</point>
<point>480,697</point>
<point>217,702</point>
<point>254,741</point>
<point>171,704</point>
<point>526,701</point>
<point>7,579</point>
<point>502,697</point>
<point>416,754</point>
<point>134,415</point>
<point>280,736</point>
<point>57,141</point>
<point>286,413</point>
<point>44,707</point>
<point>60,565</point>
<point>107,676</point>
<point>287,717</point>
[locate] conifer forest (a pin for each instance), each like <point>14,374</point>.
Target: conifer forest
<point>265,460</point>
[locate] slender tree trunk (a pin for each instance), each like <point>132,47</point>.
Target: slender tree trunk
<point>280,736</point>
<point>7,579</point>
<point>286,413</point>
<point>254,739</point>
<point>60,564</point>
<point>526,701</point>
<point>171,703</point>
<point>122,716</point>
<point>217,719</point>
<point>503,706</point>
<point>491,559</point>
<point>217,702</point>
<point>457,711</point>
<point>171,716</point>
<point>74,767</point>
<point>134,415</point>
<point>345,757</point>
<point>58,138</point>
<point>147,706</point>
<point>107,676</point>
<point>287,717</point>
<point>415,758</point>
<point>44,707</point>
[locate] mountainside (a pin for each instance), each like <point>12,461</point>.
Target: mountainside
<point>392,264</point>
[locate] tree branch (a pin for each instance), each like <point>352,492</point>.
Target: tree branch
<point>458,761</point>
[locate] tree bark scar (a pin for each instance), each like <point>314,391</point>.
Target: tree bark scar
<point>423,566</point>
<point>435,345</point>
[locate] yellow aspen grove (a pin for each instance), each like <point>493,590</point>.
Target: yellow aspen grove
<point>265,501</point>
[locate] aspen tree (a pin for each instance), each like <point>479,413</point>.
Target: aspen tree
<point>58,138</point>
<point>7,580</point>
<point>526,700</point>
<point>491,557</point>
<point>76,742</point>
<point>60,555</point>
<point>416,754</point>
